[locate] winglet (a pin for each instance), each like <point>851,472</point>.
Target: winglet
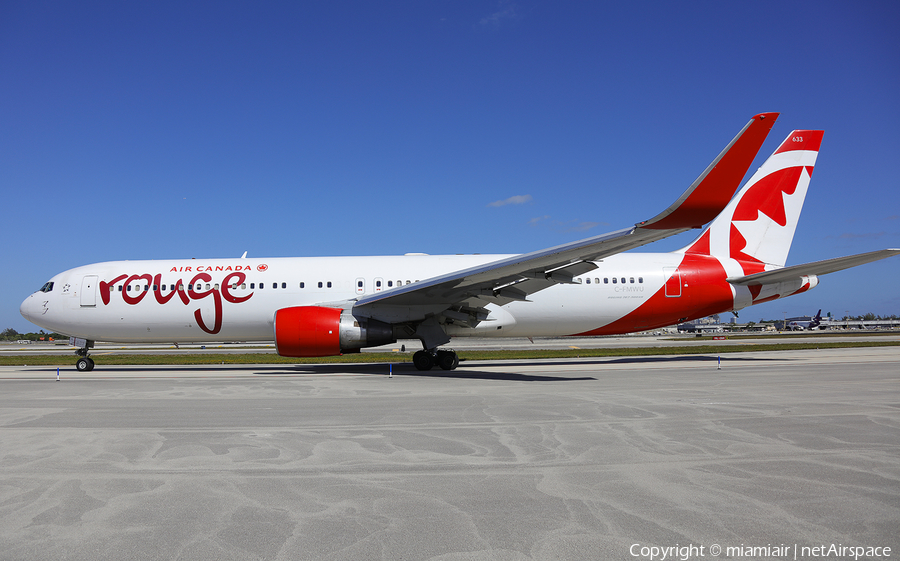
<point>710,193</point>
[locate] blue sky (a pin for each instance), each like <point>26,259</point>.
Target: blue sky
<point>144,130</point>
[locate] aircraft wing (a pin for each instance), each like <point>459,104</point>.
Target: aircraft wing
<point>514,278</point>
<point>815,268</point>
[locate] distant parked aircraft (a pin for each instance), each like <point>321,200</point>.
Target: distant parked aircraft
<point>800,325</point>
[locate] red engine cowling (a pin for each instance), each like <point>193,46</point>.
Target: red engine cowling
<point>308,331</point>
<point>318,331</point>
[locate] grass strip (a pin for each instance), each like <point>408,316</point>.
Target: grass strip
<point>202,357</point>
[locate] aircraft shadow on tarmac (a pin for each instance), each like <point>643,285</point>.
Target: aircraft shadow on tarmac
<point>408,370</point>
<point>463,372</point>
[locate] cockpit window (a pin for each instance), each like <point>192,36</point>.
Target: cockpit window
<point>48,286</point>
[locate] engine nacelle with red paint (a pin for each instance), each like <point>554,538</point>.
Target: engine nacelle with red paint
<point>311,331</point>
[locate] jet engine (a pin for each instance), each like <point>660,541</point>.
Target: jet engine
<point>308,331</point>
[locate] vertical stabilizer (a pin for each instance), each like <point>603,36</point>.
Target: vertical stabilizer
<point>758,225</point>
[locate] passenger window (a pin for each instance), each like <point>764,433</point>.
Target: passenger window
<point>216,286</point>
<point>274,285</point>
<point>252,285</point>
<point>155,288</point>
<point>359,284</point>
<point>614,280</point>
<point>390,284</point>
<point>302,285</point>
<point>377,283</point>
<point>320,284</point>
<point>243,286</point>
<point>284,285</point>
<point>588,281</point>
<point>631,280</point>
<point>120,288</point>
<point>329,284</point>
<point>623,280</point>
<point>640,280</point>
<point>605,280</point>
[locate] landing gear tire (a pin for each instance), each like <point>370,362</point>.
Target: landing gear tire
<point>84,364</point>
<point>423,360</point>
<point>447,360</point>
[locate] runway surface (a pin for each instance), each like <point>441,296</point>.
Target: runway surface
<point>550,459</point>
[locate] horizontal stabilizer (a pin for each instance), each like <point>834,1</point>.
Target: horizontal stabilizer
<point>809,269</point>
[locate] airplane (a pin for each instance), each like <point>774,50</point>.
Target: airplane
<point>800,325</point>
<point>323,306</point>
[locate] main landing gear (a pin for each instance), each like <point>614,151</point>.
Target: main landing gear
<point>426,360</point>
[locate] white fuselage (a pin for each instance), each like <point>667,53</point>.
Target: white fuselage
<point>236,299</point>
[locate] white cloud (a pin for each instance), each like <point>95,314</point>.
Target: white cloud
<point>514,200</point>
<point>508,12</point>
<point>568,226</point>
<point>582,226</point>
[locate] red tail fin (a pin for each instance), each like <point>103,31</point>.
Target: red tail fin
<point>758,225</point>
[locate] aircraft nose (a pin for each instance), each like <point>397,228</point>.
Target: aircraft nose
<point>27,308</point>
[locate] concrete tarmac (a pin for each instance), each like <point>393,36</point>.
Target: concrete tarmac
<point>602,458</point>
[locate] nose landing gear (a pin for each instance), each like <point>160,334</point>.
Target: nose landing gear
<point>84,362</point>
